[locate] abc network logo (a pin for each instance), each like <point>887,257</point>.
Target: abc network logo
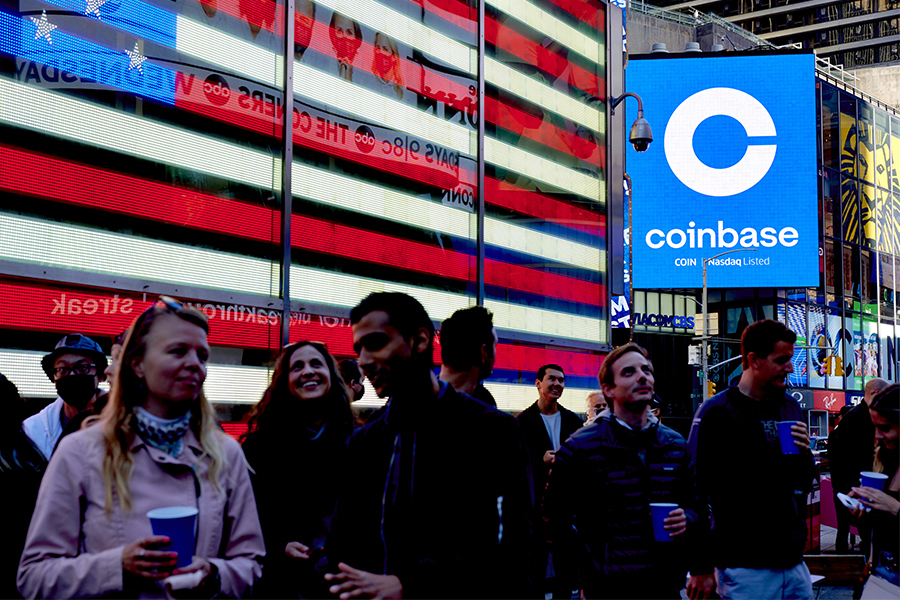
<point>679,142</point>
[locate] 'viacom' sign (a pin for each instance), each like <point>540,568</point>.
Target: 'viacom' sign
<point>732,169</point>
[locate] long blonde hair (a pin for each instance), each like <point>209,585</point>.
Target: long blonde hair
<point>129,390</point>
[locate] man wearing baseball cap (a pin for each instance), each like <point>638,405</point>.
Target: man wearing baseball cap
<point>76,367</point>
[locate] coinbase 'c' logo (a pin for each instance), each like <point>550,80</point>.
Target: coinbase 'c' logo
<point>679,142</point>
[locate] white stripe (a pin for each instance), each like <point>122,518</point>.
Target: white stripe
<point>64,116</point>
<point>225,384</point>
<point>550,26</point>
<point>338,289</point>
<point>333,189</point>
<point>343,95</point>
<point>543,95</point>
<point>35,241</point>
<point>239,56</point>
<point>548,171</point>
<point>231,384</point>
<point>30,240</point>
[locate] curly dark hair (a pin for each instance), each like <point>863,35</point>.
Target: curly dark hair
<point>278,395</point>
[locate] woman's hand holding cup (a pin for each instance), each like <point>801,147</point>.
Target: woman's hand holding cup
<point>142,559</point>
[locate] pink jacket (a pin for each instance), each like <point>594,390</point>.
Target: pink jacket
<point>74,551</point>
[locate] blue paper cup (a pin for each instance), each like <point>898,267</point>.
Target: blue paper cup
<point>787,440</point>
<point>872,480</point>
<point>176,523</point>
<point>660,511</point>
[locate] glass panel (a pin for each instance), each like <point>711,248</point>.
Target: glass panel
<point>867,212</point>
<point>831,197</point>
<point>854,359</point>
<point>835,367</point>
<point>869,282</point>
<point>832,269</point>
<point>818,338</point>
<point>383,153</point>
<point>796,322</point>
<point>887,351</point>
<point>545,172</point>
<point>886,234</point>
<point>848,136</point>
<point>652,308</point>
<point>882,150</point>
<point>850,210</point>
<point>866,143</point>
<point>870,347</point>
<point>831,133</point>
<point>160,169</point>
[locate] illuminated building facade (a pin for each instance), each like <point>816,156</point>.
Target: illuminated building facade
<point>142,152</point>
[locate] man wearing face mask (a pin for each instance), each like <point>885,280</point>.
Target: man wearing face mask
<point>76,366</point>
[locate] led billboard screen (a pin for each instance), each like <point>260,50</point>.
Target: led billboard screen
<point>732,167</point>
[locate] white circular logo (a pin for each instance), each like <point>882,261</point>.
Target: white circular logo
<point>694,173</point>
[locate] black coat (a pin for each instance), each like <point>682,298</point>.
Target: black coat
<point>757,494</point>
<point>851,448</point>
<point>21,468</point>
<point>437,492</point>
<point>597,510</point>
<point>538,441</point>
<point>295,480</point>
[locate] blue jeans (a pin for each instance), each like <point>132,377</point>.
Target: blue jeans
<point>752,584</point>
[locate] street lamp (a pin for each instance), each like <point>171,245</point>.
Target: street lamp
<point>705,338</point>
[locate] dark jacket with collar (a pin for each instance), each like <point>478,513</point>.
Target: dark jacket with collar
<point>757,494</point>
<point>538,441</point>
<point>437,491</point>
<point>851,448</point>
<point>296,475</point>
<point>597,511</point>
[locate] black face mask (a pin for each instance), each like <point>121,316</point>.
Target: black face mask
<point>77,390</point>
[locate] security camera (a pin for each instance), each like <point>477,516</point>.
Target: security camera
<point>640,145</point>
<point>641,135</point>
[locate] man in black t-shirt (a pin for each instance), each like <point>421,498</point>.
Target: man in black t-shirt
<point>756,493</point>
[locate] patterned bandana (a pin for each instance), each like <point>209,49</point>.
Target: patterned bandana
<point>162,434</point>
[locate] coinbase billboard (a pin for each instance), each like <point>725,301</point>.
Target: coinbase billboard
<point>732,167</point>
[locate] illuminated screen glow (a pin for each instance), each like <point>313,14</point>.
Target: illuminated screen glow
<point>735,154</point>
<point>64,309</point>
<point>544,22</point>
<point>41,242</point>
<point>233,384</point>
<point>67,117</point>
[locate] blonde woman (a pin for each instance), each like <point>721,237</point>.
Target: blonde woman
<point>156,444</point>
<point>386,64</point>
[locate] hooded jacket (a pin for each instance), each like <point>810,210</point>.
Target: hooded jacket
<point>45,428</point>
<point>596,508</point>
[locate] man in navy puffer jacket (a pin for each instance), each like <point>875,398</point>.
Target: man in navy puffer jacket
<point>596,505</point>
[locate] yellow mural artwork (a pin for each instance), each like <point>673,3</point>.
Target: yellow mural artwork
<point>849,194</point>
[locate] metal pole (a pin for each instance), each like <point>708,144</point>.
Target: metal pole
<point>630,264</point>
<point>704,347</point>
<point>479,244</point>
<point>705,338</point>
<point>287,208</point>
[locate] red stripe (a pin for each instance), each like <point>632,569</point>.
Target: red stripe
<point>51,308</point>
<point>88,186</point>
<point>263,117</point>
<point>538,56</point>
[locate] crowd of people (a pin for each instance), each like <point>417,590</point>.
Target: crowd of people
<point>436,494</point>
